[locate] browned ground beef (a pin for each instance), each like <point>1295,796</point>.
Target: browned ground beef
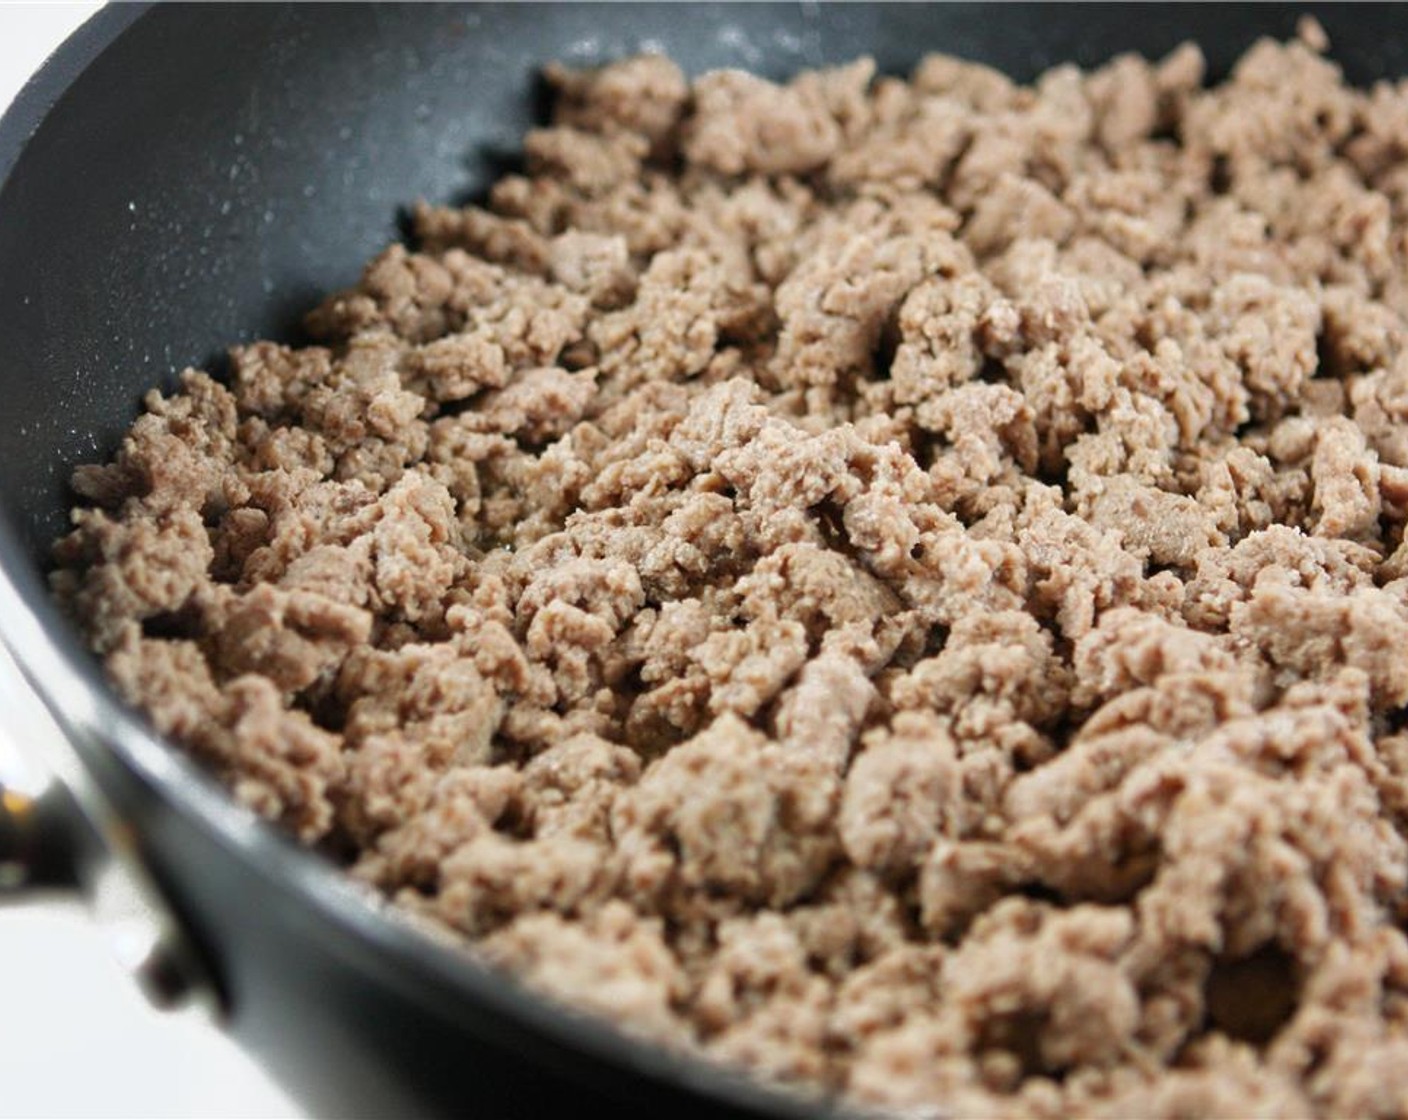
<point>896,585</point>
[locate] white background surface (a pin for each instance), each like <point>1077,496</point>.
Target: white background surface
<point>76,1038</point>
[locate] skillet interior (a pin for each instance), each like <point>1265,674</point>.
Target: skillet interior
<point>215,169</point>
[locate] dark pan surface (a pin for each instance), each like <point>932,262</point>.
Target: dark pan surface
<point>184,177</point>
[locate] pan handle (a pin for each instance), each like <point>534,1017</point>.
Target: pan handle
<point>38,845</point>
<point>58,830</point>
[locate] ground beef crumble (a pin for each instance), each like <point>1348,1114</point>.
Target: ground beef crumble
<point>899,586</point>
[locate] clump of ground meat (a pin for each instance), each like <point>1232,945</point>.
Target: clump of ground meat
<point>896,585</point>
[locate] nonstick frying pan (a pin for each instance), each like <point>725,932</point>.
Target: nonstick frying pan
<point>178,178</point>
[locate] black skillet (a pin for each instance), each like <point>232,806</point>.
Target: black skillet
<point>177,178</point>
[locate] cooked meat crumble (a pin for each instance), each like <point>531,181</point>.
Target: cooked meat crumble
<point>897,586</point>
